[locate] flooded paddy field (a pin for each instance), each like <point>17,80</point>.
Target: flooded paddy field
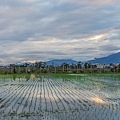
<point>57,97</point>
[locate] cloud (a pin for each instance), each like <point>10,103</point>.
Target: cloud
<point>93,2</point>
<point>114,36</point>
<point>41,30</point>
<point>109,47</point>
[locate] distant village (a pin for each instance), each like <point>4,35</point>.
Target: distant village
<point>43,67</point>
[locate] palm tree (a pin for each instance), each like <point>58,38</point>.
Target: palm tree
<point>38,65</point>
<point>79,65</point>
<point>12,67</point>
<point>86,65</point>
<point>65,66</point>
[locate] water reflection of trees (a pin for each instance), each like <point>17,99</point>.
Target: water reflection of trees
<point>14,77</point>
<point>27,77</point>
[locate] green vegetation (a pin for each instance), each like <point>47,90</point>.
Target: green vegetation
<point>62,75</point>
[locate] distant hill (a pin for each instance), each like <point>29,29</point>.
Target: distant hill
<point>58,62</point>
<point>113,58</point>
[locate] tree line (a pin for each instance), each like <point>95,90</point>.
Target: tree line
<point>42,67</point>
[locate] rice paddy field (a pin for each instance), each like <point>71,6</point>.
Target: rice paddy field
<point>60,97</point>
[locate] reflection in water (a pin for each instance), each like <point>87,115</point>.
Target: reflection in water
<point>27,77</point>
<point>98,100</point>
<point>14,77</point>
<point>59,98</point>
<point>32,76</point>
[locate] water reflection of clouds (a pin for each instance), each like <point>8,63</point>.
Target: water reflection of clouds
<point>98,100</point>
<point>60,92</point>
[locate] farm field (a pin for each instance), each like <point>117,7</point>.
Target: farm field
<point>60,97</point>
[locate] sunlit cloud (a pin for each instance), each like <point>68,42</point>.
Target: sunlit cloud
<point>97,37</point>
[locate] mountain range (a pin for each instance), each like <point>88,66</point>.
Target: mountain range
<point>113,58</point>
<point>58,62</point>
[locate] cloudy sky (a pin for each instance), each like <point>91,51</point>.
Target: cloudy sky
<point>42,30</point>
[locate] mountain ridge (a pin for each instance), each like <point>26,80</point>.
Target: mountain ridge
<point>58,62</point>
<point>112,58</point>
